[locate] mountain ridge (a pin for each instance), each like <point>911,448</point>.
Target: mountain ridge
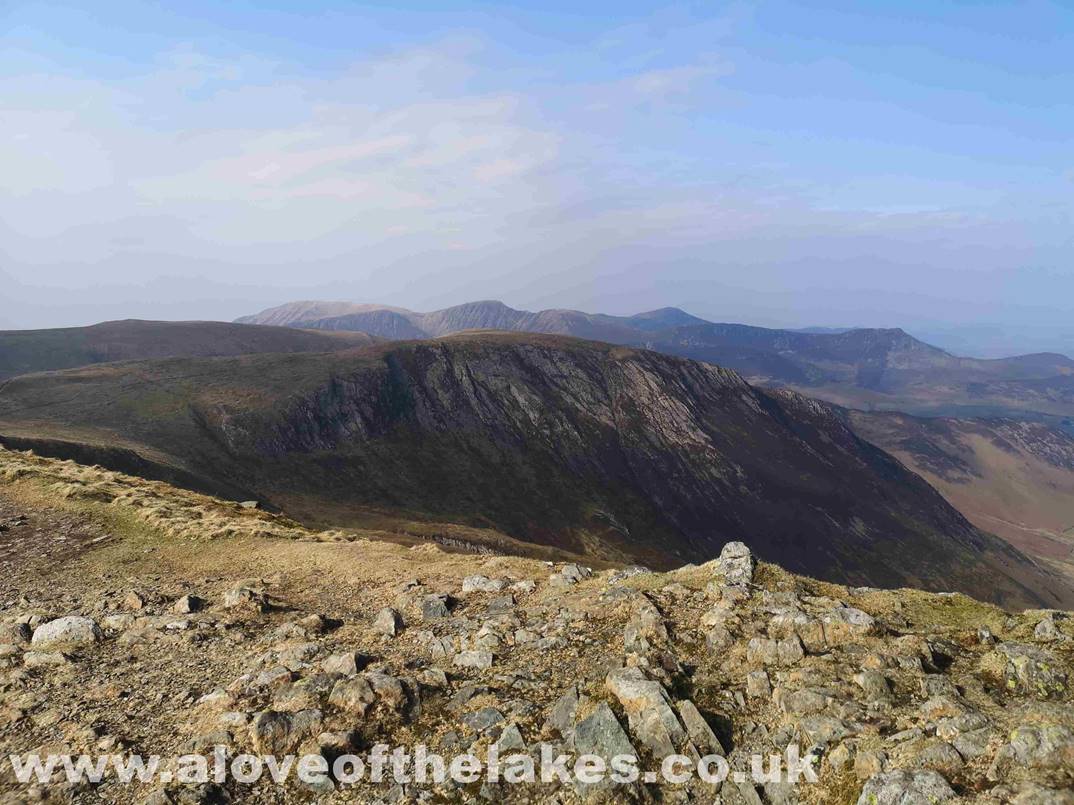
<point>587,447</point>
<point>868,368</point>
<point>24,351</point>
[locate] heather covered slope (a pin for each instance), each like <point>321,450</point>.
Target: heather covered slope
<point>23,351</point>
<point>598,450</point>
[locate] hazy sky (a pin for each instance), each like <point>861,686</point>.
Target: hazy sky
<point>883,163</point>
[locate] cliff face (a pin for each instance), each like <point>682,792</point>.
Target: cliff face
<point>599,450</point>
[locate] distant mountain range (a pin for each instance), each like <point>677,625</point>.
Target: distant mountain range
<point>880,369</point>
<point>600,450</point>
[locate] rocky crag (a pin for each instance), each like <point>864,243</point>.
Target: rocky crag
<point>601,451</point>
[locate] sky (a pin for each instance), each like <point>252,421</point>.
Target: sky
<point>783,164</point>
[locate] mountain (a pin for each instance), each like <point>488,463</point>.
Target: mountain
<point>292,313</point>
<point>590,448</point>
<point>881,369</point>
<point>1012,478</point>
<point>23,351</point>
<point>154,621</point>
<point>398,323</point>
<point>885,369</point>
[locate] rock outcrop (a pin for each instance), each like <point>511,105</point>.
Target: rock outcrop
<point>891,696</point>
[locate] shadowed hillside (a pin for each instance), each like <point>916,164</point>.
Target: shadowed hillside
<point>598,450</point>
<point>23,351</point>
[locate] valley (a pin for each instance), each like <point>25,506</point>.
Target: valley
<point>1014,479</point>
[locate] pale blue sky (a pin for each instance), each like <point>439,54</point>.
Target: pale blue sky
<point>785,164</point>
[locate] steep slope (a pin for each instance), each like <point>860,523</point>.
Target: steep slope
<point>884,369</point>
<point>23,351</point>
<point>591,448</point>
<point>1015,479</point>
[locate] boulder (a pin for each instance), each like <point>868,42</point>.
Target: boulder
<point>924,787</point>
<point>473,659</point>
<point>346,663</point>
<point>188,604</point>
<point>481,584</point>
<point>1029,670</point>
<point>243,597</point>
<point>649,711</point>
<point>1045,748</point>
<point>434,606</point>
<point>276,733</point>
<point>387,622</point>
<point>45,659</point>
<point>353,695</point>
<point>600,734</point>
<point>736,563</point>
<point>70,632</point>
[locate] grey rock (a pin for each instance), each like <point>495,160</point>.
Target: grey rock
<point>483,720</point>
<point>388,689</point>
<point>698,729</point>
<point>736,563</point>
<point>560,720</point>
<point>1032,671</point>
<point>511,740</point>
<point>387,622</point>
<point>648,709</point>
<point>346,663</point>
<point>846,624</point>
<point>353,695</point>
<point>758,685</point>
<point>473,659</point>
<point>435,606</point>
<point>1047,632</point>
<point>803,702</point>
<point>766,651</point>
<point>188,604</point>
<point>273,732</point>
<point>941,757</point>
<point>481,584</point>
<point>600,734</point>
<point>45,659</point>
<point>70,632</point>
<point>1044,748</point>
<point>874,685</point>
<point>925,787</point>
<point>433,678</point>
<point>243,597</point>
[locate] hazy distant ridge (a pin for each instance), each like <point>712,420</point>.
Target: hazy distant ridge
<point>871,368</point>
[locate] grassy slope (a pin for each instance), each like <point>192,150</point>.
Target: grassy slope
<point>1001,485</point>
<point>23,351</point>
